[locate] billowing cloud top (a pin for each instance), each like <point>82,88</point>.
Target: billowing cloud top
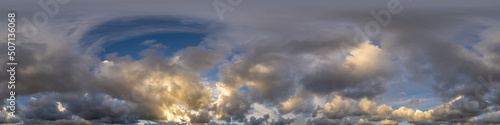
<point>254,62</point>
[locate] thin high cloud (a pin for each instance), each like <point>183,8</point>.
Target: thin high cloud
<point>276,62</point>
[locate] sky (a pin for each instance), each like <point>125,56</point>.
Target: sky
<point>253,62</point>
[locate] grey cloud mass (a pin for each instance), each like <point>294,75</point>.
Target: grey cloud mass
<point>305,62</point>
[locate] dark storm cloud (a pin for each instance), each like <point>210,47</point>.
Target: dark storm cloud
<point>323,83</point>
<point>67,68</point>
<point>427,49</point>
<point>259,121</point>
<point>434,58</point>
<point>414,101</point>
<point>282,121</point>
<point>60,122</point>
<point>58,108</point>
<point>459,110</point>
<point>99,108</point>
<point>43,108</point>
<point>314,68</point>
<point>233,106</point>
<point>201,117</point>
<point>326,121</point>
<point>55,66</point>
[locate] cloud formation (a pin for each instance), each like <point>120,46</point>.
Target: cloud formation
<point>302,61</point>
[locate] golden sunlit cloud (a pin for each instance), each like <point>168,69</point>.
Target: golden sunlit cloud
<point>60,107</point>
<point>367,58</point>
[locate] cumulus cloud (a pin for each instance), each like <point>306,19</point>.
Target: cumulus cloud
<point>148,87</point>
<point>458,110</point>
<point>297,103</point>
<point>159,83</point>
<point>43,108</point>
<point>491,117</point>
<point>264,70</point>
<point>341,108</point>
<point>411,115</point>
<point>233,105</point>
<point>282,121</point>
<point>388,122</point>
<point>365,122</point>
<point>255,121</point>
